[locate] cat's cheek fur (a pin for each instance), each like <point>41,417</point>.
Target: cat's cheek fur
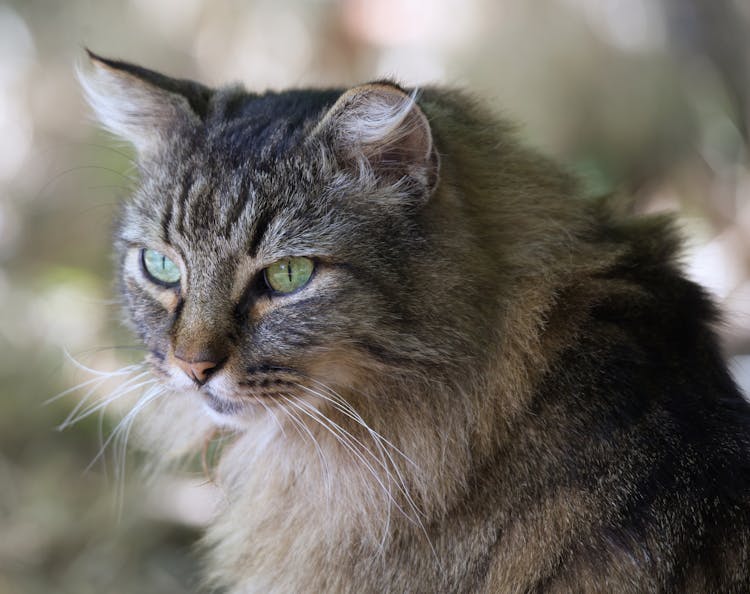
<point>344,368</point>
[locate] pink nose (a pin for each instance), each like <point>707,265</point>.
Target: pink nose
<point>197,371</point>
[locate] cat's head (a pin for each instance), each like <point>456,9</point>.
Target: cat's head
<point>283,241</point>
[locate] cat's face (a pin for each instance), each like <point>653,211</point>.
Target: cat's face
<point>268,277</point>
<point>274,245</point>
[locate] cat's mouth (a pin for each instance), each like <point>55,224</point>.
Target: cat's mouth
<point>261,389</point>
<point>259,386</point>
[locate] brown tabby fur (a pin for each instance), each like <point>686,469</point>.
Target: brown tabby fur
<point>490,384</point>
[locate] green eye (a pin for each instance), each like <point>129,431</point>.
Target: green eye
<point>159,268</point>
<point>289,274</point>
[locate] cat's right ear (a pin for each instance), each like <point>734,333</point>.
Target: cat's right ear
<point>141,106</point>
<point>378,128</point>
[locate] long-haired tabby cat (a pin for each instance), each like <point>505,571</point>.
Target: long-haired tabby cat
<point>442,368</point>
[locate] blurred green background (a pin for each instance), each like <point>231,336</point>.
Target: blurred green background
<point>649,96</point>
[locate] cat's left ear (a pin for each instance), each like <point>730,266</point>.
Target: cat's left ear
<point>380,125</point>
<point>141,106</point>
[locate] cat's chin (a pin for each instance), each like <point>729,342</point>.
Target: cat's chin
<point>229,409</point>
<point>222,417</point>
<point>222,406</point>
<point>222,401</point>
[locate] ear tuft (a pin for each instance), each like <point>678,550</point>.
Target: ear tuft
<point>381,125</point>
<point>138,105</point>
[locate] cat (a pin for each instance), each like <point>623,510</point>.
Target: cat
<point>440,366</point>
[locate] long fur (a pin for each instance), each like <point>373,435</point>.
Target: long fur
<point>490,383</point>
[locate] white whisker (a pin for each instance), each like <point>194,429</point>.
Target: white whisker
<point>91,391</point>
<point>357,417</point>
<point>349,441</point>
<point>273,414</point>
<point>147,397</point>
<point>123,371</point>
<point>95,380</point>
<point>72,420</point>
<point>100,434</point>
<point>324,422</point>
<point>101,377</point>
<point>121,434</point>
<point>346,442</point>
<point>321,455</point>
<point>377,439</point>
<point>346,408</point>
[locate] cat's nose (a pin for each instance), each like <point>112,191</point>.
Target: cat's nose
<point>198,371</point>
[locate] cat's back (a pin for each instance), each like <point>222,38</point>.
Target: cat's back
<point>638,422</point>
<point>629,468</point>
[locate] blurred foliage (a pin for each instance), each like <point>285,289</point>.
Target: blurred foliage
<point>646,96</point>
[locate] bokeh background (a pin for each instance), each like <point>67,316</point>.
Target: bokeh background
<point>650,97</point>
